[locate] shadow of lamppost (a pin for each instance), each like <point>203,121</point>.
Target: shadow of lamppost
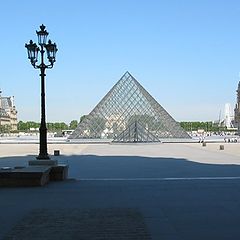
<point>33,49</point>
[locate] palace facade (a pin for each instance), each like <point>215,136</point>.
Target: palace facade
<point>237,110</point>
<point>8,114</point>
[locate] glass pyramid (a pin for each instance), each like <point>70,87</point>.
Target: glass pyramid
<point>128,113</point>
<point>135,132</point>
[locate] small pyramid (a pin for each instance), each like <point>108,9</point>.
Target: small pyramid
<point>135,132</point>
<point>127,103</point>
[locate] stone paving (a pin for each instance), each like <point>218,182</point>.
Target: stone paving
<point>175,191</point>
<point>95,224</point>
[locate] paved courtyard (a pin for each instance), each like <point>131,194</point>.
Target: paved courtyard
<point>162,191</point>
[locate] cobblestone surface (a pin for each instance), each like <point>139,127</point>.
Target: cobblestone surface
<point>94,224</point>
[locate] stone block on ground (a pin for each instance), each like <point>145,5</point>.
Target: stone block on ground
<point>25,177</point>
<point>59,172</point>
<point>46,162</point>
<point>56,152</point>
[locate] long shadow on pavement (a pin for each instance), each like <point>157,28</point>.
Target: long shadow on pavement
<point>198,209</point>
<point>95,167</point>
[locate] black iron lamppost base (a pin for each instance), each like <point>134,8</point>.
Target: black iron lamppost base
<point>43,162</point>
<point>43,157</point>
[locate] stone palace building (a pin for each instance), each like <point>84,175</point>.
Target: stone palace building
<point>8,114</point>
<point>237,110</point>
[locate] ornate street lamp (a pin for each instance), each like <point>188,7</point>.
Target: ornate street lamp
<point>33,50</point>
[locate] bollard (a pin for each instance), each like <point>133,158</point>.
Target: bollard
<point>204,144</point>
<point>56,152</point>
<point>221,147</point>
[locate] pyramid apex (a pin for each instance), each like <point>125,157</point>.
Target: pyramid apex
<point>127,74</point>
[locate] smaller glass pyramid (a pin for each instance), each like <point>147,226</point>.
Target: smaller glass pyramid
<point>135,132</point>
<point>128,113</point>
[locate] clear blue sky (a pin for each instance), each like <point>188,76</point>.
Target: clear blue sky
<point>185,53</point>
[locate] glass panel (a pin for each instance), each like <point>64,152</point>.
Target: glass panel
<point>42,35</point>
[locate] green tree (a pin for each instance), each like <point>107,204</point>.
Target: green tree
<point>207,126</point>
<point>22,126</point>
<point>82,118</point>
<point>59,126</point>
<point>73,124</point>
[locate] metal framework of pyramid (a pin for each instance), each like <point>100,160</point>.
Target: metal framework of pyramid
<point>128,113</point>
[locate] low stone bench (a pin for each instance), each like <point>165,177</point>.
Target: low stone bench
<point>59,172</point>
<point>25,177</point>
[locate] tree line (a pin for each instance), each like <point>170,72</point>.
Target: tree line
<point>60,126</point>
<point>206,126</point>
<point>51,126</point>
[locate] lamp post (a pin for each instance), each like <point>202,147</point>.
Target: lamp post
<point>33,50</point>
